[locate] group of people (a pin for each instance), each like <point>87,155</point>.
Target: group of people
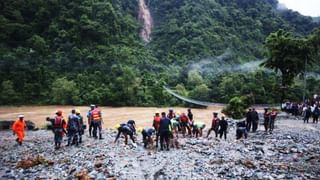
<point>252,120</point>
<point>166,127</point>
<point>74,126</point>
<point>310,108</point>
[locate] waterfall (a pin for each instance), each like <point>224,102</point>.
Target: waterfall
<point>146,19</point>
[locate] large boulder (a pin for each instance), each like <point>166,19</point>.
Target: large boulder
<point>7,124</point>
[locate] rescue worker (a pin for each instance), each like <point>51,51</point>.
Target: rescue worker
<point>171,114</point>
<point>197,128</point>
<point>90,121</point>
<point>249,119</point>
<point>73,128</point>
<point>165,126</point>
<point>156,125</point>
<point>255,119</point>
<point>147,134</point>
<point>214,125</point>
<point>81,125</point>
<point>241,130</point>
<point>126,129</point>
<point>184,123</point>
<point>266,116</point>
<point>96,118</point>
<point>18,128</point>
<point>174,128</point>
<point>59,125</point>
<point>273,116</point>
<point>223,128</point>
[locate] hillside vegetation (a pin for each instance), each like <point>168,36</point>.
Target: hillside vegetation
<point>81,51</point>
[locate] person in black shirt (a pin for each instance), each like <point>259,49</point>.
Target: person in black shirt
<point>255,120</point>
<point>223,124</point>
<point>248,120</point>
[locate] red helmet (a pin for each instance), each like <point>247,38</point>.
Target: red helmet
<point>59,112</point>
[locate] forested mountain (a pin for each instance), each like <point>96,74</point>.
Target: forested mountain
<point>90,51</point>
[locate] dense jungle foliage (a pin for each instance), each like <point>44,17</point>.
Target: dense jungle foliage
<point>89,51</point>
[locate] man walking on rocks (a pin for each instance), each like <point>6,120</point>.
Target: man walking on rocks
<point>214,125</point>
<point>18,128</point>
<point>165,126</point>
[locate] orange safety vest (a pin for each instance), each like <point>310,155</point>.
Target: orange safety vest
<point>96,115</point>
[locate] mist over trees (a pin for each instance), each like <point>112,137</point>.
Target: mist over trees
<point>82,52</point>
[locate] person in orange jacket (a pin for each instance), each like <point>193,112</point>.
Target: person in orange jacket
<point>18,128</point>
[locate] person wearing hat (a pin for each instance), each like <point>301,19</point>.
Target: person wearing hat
<point>58,128</point>
<point>214,125</point>
<point>90,121</point>
<point>18,128</point>
<point>126,129</point>
<point>81,127</point>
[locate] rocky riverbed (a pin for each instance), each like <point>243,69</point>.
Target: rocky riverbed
<point>291,152</point>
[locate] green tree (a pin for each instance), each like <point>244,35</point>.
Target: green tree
<point>65,92</point>
<point>200,92</point>
<point>236,108</point>
<point>194,79</point>
<point>8,95</point>
<point>287,54</point>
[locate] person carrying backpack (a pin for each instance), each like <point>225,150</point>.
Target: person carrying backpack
<point>59,125</point>
<point>184,122</point>
<point>156,125</point>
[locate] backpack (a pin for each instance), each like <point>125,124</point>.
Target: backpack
<point>58,122</point>
<point>184,119</point>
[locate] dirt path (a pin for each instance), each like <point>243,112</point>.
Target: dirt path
<point>112,116</point>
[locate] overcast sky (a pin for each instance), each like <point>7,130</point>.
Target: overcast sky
<point>305,7</point>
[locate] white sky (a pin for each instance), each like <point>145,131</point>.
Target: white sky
<point>305,7</point>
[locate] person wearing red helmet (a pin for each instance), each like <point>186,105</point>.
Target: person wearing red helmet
<point>59,125</point>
